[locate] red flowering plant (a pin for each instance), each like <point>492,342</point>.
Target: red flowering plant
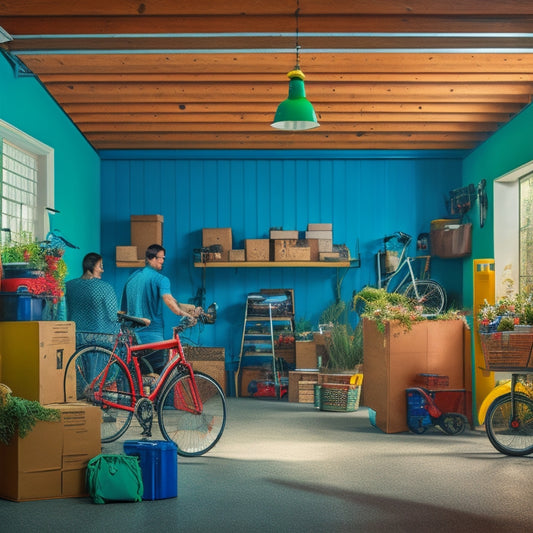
<point>40,256</point>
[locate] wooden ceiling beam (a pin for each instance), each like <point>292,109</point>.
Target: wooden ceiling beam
<point>258,7</point>
<point>416,63</point>
<point>30,24</point>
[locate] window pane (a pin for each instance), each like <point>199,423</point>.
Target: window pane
<point>526,231</point>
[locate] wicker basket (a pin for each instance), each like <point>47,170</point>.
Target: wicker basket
<point>338,397</point>
<point>507,351</point>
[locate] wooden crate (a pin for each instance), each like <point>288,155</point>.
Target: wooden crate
<point>215,369</point>
<point>306,391</point>
<point>294,379</point>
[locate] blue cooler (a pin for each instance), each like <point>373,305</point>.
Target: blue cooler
<point>159,467</point>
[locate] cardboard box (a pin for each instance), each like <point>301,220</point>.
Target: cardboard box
<point>34,356</point>
<point>126,253</point>
<point>146,230</point>
<point>218,236</point>
<point>394,358</point>
<point>306,355</point>
<point>328,235</point>
<point>325,245</point>
<point>284,234</point>
<point>257,249</point>
<point>237,255</point>
<point>289,250</point>
<point>329,256</point>
<point>310,378</point>
<point>50,461</point>
<point>320,227</point>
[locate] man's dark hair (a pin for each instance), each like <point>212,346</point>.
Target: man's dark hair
<point>153,250</point>
<point>89,262</point>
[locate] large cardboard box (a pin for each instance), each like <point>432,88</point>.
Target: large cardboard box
<point>394,358</point>
<point>34,357</point>
<point>257,249</point>
<point>215,369</point>
<point>126,253</point>
<point>50,462</point>
<point>145,230</point>
<point>218,236</point>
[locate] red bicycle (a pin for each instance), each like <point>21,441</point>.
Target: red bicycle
<point>190,406</point>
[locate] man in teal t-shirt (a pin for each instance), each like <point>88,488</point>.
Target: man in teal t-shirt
<point>145,293</point>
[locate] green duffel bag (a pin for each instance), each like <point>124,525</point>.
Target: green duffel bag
<point>114,478</point>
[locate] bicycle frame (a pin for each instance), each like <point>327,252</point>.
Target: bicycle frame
<point>176,358</point>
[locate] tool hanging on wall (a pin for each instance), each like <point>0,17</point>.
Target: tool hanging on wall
<point>483,202</point>
<point>461,200</point>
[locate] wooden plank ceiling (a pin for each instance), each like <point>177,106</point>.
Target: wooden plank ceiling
<point>209,74</point>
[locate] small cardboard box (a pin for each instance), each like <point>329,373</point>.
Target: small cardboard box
<point>329,256</point>
<point>237,255</point>
<point>257,249</point>
<point>218,236</point>
<point>284,234</point>
<point>145,231</point>
<point>325,245</point>
<point>320,227</point>
<point>328,235</point>
<point>289,250</point>
<point>126,253</point>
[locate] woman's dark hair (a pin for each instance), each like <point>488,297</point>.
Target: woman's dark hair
<point>153,250</point>
<point>89,262</point>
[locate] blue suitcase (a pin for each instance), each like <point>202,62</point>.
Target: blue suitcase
<point>159,467</point>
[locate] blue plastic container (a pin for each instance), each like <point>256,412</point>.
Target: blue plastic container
<point>20,306</point>
<point>159,467</point>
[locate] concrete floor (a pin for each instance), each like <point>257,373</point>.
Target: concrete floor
<point>286,467</point>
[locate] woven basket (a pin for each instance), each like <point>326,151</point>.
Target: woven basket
<point>507,351</point>
<point>338,397</point>
<point>203,353</point>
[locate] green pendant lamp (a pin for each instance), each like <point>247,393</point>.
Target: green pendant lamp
<point>296,113</point>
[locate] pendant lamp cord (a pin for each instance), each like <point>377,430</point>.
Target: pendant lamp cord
<point>296,13</point>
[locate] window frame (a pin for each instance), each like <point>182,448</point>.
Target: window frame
<point>45,172</point>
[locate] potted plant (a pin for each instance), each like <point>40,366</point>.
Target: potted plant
<point>39,264</point>
<point>19,416</point>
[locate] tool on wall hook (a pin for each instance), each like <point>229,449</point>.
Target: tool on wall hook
<point>483,202</point>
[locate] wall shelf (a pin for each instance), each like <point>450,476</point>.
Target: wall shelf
<point>274,264</point>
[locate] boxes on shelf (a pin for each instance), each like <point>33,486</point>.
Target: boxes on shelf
<point>145,230</point>
<point>159,467</point>
<point>284,234</point>
<point>126,253</point>
<point>50,462</point>
<point>257,249</point>
<point>291,250</point>
<point>34,356</point>
<point>320,227</point>
<point>218,237</point>
<point>237,255</point>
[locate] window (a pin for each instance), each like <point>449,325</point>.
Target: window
<point>526,231</point>
<point>26,183</point>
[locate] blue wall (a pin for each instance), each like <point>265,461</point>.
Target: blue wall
<point>26,105</point>
<point>364,195</point>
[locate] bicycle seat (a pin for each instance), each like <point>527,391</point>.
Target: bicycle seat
<point>132,321</point>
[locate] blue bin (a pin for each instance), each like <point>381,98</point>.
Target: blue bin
<point>20,306</point>
<point>159,467</point>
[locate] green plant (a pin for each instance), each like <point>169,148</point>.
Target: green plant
<point>345,347</point>
<point>303,329</point>
<point>20,415</point>
<point>506,324</point>
<point>382,306</point>
<point>332,313</point>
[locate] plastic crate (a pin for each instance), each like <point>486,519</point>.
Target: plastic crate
<point>159,467</point>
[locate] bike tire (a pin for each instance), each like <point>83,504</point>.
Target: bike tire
<point>193,433</point>
<point>511,437</point>
<point>452,423</point>
<point>96,368</point>
<point>431,295</point>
